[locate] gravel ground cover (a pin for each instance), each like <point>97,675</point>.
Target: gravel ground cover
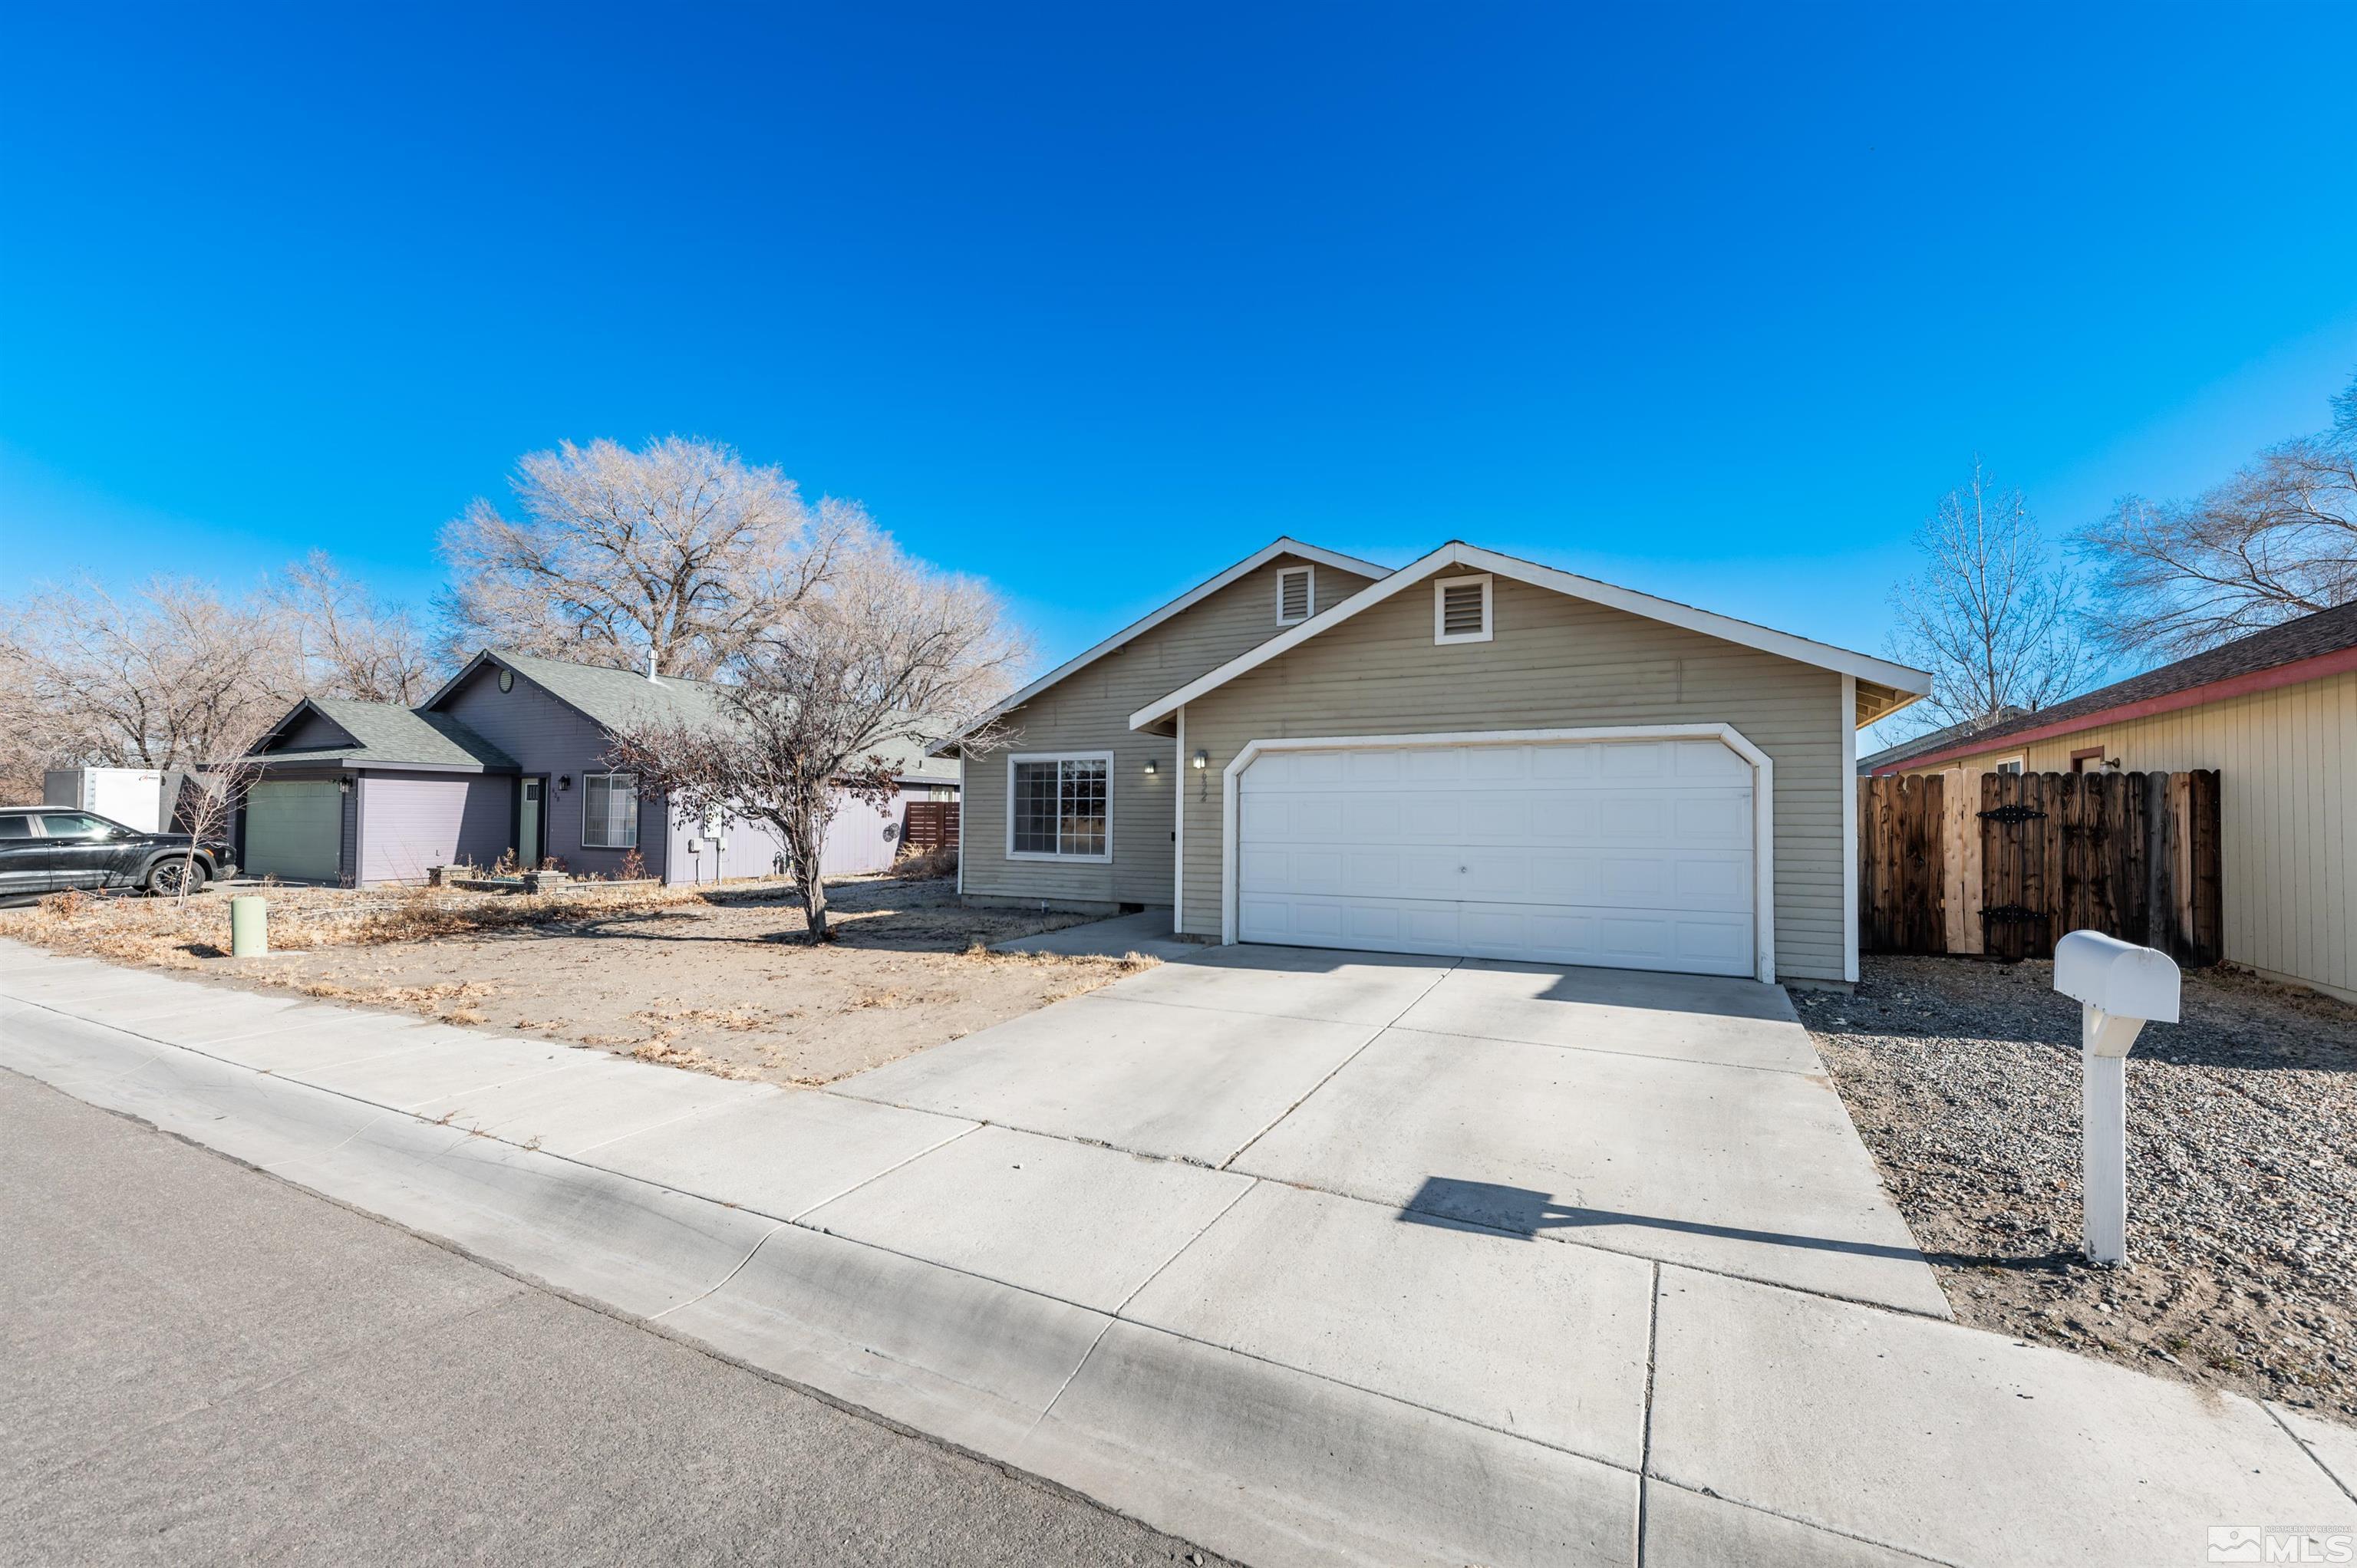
<point>1962,1077</point>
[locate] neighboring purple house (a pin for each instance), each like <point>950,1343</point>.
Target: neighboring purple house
<point>509,756</point>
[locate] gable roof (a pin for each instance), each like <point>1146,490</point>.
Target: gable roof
<point>386,734</point>
<point>1963,729</point>
<point>1187,600</point>
<point>614,698</point>
<point>1899,679</point>
<point>2313,646</point>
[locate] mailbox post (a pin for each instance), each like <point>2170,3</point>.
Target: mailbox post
<point>2119,987</point>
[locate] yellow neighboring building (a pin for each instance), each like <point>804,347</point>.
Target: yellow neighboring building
<point>2275,713</point>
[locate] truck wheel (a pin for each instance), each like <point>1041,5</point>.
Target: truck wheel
<point>164,879</point>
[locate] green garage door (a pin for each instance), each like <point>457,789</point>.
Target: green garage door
<point>295,828</point>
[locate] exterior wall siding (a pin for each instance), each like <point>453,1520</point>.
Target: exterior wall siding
<point>1090,711</point>
<point>413,821</point>
<point>548,737</point>
<point>313,734</point>
<point>2287,814</point>
<point>1554,662</point>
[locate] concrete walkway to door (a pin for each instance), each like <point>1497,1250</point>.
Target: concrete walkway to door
<point>1308,1257</point>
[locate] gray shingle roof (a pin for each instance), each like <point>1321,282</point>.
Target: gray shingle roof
<point>615,698</point>
<point>2309,637</point>
<point>389,733</point>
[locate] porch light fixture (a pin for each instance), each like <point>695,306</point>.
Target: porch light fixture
<point>1152,766</point>
<point>1203,760</point>
<point>564,782</point>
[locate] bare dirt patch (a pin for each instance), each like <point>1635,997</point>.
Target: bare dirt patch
<point>719,981</point>
<point>1962,1077</point>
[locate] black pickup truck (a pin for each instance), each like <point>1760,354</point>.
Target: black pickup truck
<point>47,849</point>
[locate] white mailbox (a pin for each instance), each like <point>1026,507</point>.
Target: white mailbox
<point>2119,987</point>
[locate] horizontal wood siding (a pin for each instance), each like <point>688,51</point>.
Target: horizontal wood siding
<point>2288,815</point>
<point>1090,712</point>
<point>413,821</point>
<point>1555,663</point>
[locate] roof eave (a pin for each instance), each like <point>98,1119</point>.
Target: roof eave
<point>2296,672</point>
<point>1283,545</point>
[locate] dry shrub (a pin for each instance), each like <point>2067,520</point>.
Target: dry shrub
<point>925,865</point>
<point>668,1055</point>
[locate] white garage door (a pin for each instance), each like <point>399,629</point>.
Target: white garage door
<point>295,828</point>
<point>1634,854</point>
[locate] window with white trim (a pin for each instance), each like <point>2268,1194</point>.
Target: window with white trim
<point>1295,594</point>
<point>2012,765</point>
<point>1460,609</point>
<point>1060,807</point>
<point>610,811</point>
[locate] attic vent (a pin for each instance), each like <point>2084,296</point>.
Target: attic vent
<point>1460,609</point>
<point>1293,595</point>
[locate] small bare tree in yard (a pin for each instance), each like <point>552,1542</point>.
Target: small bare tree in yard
<point>679,550</point>
<point>1992,613</point>
<point>2277,540</point>
<point>886,652</point>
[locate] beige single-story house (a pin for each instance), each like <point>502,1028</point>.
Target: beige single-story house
<point>1472,754</point>
<point>2275,713</point>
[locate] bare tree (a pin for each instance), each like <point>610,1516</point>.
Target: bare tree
<point>173,676</point>
<point>2277,540</point>
<point>349,643</point>
<point>1992,613</point>
<point>679,550</point>
<point>887,653</point>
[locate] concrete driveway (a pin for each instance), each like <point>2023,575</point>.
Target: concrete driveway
<point>1312,1258</point>
<point>1681,1119</point>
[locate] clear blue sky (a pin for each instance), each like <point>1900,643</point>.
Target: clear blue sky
<point>1713,303</point>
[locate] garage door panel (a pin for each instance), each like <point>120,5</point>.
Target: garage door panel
<point>294,829</point>
<point>1713,818</point>
<point>1629,853</point>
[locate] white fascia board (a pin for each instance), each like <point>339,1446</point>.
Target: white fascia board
<point>1136,630</point>
<point>1456,553</point>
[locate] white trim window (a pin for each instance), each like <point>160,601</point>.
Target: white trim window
<point>1060,806</point>
<point>1460,609</point>
<point>610,811</point>
<point>2015,764</point>
<point>1296,594</point>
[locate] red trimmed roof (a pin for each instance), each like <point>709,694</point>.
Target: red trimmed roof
<point>2307,649</point>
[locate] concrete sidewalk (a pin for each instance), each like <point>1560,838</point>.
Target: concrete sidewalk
<point>1285,1373</point>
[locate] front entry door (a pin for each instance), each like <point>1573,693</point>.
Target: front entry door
<point>527,845</point>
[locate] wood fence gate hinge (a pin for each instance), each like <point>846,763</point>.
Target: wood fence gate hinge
<point>2012,814</point>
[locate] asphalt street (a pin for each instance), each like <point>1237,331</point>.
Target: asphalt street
<point>204,1364</point>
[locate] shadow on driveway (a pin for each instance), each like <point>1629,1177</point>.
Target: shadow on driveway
<point>1524,1212</point>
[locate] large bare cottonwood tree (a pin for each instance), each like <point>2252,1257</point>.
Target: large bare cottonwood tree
<point>1992,611</point>
<point>2277,540</point>
<point>679,550</point>
<point>883,652</point>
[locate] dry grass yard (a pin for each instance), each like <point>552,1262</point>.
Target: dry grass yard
<point>1963,1078</point>
<point>718,980</point>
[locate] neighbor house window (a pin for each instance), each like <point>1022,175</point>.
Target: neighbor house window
<point>1294,597</point>
<point>2010,765</point>
<point>1460,609</point>
<point>610,811</point>
<point>1057,807</point>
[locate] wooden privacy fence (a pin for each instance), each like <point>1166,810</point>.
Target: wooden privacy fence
<point>931,824</point>
<point>2004,863</point>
